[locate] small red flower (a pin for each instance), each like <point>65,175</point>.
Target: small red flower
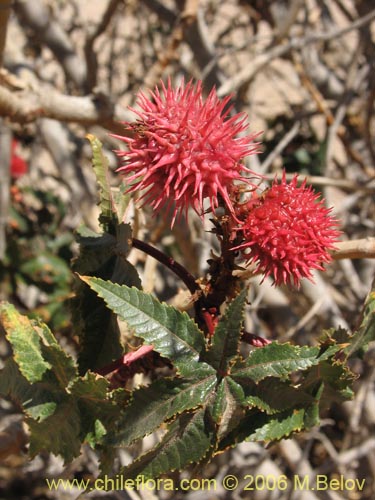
<point>288,232</point>
<point>185,149</point>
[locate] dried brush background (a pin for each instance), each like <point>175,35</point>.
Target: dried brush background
<point>304,72</point>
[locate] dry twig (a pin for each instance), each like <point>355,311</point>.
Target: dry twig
<point>28,105</point>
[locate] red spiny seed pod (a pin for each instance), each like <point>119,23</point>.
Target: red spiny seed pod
<point>185,149</point>
<point>287,232</point>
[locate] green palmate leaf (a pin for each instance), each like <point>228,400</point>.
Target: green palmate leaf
<point>272,395</point>
<point>366,331</point>
<point>63,366</point>
<point>188,440</point>
<point>53,416</point>
<point>100,164</point>
<point>279,360</point>
<point>104,256</point>
<point>227,335</point>
<point>122,199</point>
<point>337,379</point>
<point>124,273</point>
<point>99,335</point>
<point>259,426</point>
<point>153,405</point>
<point>39,399</point>
<point>95,250</point>
<point>281,425</point>
<point>25,341</point>
<point>84,414</point>
<point>35,349</point>
<point>172,333</point>
<point>95,325</point>
<point>332,369</point>
<point>59,433</point>
<point>61,409</point>
<point>38,386</point>
<point>312,411</point>
<point>98,410</point>
<point>227,408</point>
<point>61,420</point>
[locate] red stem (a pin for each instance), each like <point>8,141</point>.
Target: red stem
<point>254,340</point>
<point>174,266</point>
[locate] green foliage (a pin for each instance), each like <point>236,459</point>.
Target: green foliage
<point>35,271</point>
<point>366,331</point>
<point>103,255</point>
<point>214,399</point>
<point>275,360</point>
<point>62,409</point>
<point>209,395</point>
<point>225,342</point>
<point>188,440</point>
<point>254,398</point>
<point>172,333</point>
<point>100,165</point>
<point>159,402</point>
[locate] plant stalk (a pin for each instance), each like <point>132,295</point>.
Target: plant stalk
<point>170,263</point>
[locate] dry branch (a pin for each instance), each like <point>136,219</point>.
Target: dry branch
<point>319,180</point>
<point>90,54</point>
<point>355,249</point>
<point>250,71</point>
<point>28,105</point>
<point>37,17</point>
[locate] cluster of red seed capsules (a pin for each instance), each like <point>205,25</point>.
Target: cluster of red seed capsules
<point>187,151</point>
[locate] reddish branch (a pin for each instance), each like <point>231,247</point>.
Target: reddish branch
<point>254,340</point>
<point>143,360</point>
<point>170,263</point>
<point>126,360</point>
